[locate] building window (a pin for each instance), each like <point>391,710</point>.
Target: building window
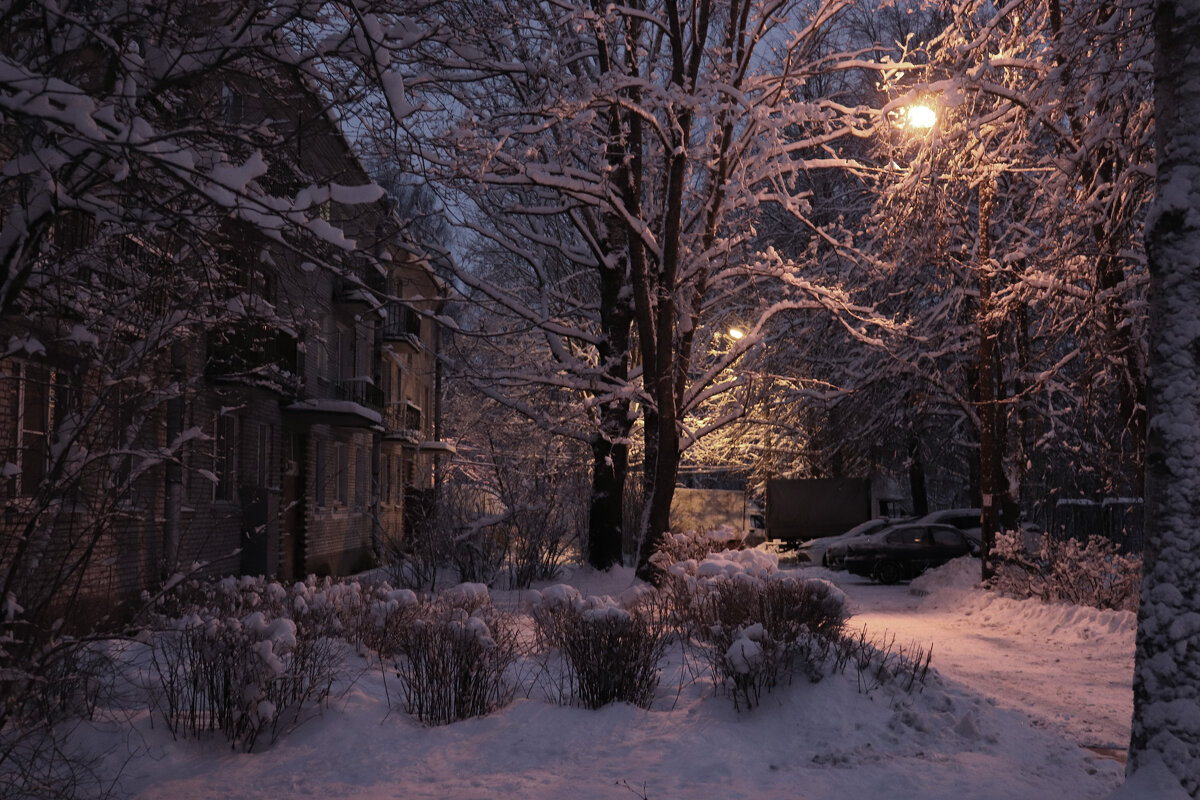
<point>346,354</point>
<point>363,337</point>
<point>225,458</point>
<point>385,479</point>
<point>41,397</point>
<point>397,483</point>
<point>233,105</point>
<point>73,230</point>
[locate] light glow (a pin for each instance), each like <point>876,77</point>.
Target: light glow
<point>920,116</point>
<point>736,333</point>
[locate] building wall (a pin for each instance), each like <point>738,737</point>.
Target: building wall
<point>338,521</point>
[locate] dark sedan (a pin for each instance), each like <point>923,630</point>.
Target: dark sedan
<point>906,551</point>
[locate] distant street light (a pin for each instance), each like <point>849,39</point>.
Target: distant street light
<point>736,333</point>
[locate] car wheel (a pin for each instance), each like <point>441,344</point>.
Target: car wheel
<point>887,572</point>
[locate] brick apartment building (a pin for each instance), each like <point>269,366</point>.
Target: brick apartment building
<point>294,426</point>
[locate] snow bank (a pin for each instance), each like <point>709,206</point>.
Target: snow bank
<point>955,585</point>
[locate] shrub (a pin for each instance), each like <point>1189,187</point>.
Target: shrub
<point>694,546</point>
<point>246,655</point>
<point>753,626</point>
<point>757,633</point>
<point>42,690</point>
<point>453,662</point>
<point>1092,573</point>
<point>882,664</point>
<point>610,654</point>
<point>239,675</point>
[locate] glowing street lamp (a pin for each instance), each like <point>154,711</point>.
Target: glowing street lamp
<point>992,480</point>
<point>736,333</point>
<point>920,116</point>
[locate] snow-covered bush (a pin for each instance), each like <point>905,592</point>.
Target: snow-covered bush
<point>67,681</point>
<point>695,545</point>
<point>238,675</point>
<point>609,653</point>
<point>246,655</point>
<point>453,663</point>
<point>757,632</point>
<point>754,626</point>
<point>1091,573</point>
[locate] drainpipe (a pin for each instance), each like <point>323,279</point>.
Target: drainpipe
<point>173,489</point>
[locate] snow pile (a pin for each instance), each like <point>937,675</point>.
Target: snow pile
<point>960,574</point>
<point>954,585</point>
<point>594,608</point>
<point>746,652</point>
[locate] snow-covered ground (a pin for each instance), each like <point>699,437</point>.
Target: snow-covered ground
<point>1018,690</point>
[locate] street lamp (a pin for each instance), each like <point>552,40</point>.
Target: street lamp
<point>920,116</point>
<point>994,500</point>
<point>736,333</point>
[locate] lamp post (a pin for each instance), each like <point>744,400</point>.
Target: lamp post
<point>993,489</point>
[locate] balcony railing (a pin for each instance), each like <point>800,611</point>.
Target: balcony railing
<point>363,392</point>
<point>402,421</point>
<point>401,324</point>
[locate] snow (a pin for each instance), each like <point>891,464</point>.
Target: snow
<point>999,716</point>
<point>331,406</point>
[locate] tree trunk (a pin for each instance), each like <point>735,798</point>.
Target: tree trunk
<point>1166,680</point>
<point>916,476</point>
<point>661,484</point>
<point>610,466</point>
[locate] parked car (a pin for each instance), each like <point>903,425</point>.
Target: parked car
<point>905,551</point>
<point>829,551</point>
<point>967,520</point>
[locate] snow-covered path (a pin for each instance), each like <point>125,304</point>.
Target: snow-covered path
<point>1067,668</point>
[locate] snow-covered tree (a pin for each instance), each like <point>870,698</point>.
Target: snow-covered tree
<point>988,230</point>
<point>1166,730</point>
<point>625,154</point>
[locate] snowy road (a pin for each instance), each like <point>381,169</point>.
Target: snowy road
<point>1066,673</point>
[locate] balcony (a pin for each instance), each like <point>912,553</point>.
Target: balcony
<point>253,354</point>
<point>402,422</point>
<point>359,390</point>
<point>401,324</point>
<point>352,403</point>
